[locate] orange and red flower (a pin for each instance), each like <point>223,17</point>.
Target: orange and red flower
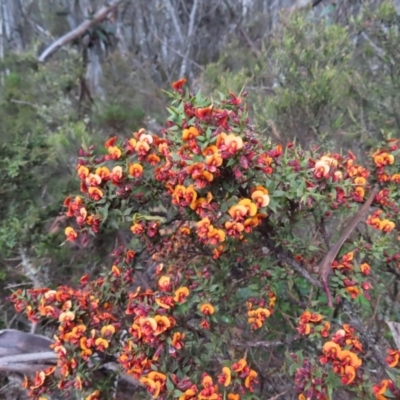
<point>177,85</point>
<point>190,133</point>
<point>207,309</point>
<point>71,234</point>
<point>225,378</point>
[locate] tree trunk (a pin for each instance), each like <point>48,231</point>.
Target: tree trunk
<point>11,19</point>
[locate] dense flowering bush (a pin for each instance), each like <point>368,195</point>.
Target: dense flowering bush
<point>237,227</point>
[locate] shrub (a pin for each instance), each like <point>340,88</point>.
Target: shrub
<point>237,301</point>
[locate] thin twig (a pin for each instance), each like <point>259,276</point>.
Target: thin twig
<point>377,304</point>
<point>380,52</point>
<point>266,88</point>
<point>249,41</point>
<point>180,54</point>
<point>278,395</point>
<point>274,129</point>
<point>356,323</point>
<point>14,285</point>
<point>265,344</point>
<point>325,267</point>
<point>25,103</point>
<point>9,323</point>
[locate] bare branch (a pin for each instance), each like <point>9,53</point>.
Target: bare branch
<point>35,26</point>
<point>22,368</point>
<point>24,358</point>
<point>266,88</point>
<point>180,54</point>
<point>380,52</point>
<point>282,256</point>
<point>15,285</point>
<point>395,329</point>
<point>367,335</point>
<point>278,395</point>
<point>249,41</point>
<point>266,344</point>
<point>78,31</point>
<point>14,342</point>
<point>25,103</point>
<point>326,264</point>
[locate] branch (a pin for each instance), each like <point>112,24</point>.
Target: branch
<point>265,344</point>
<point>278,395</point>
<point>28,363</point>
<point>379,52</point>
<point>282,256</point>
<point>23,363</point>
<point>326,264</point>
<point>367,335</point>
<point>302,271</point>
<point>249,42</point>
<point>25,103</point>
<point>26,369</point>
<point>35,26</point>
<point>78,31</point>
<point>266,88</point>
<point>179,54</point>
<point>24,358</point>
<point>15,342</point>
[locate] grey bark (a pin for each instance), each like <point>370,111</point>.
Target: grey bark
<point>189,36</point>
<point>11,13</point>
<point>14,342</point>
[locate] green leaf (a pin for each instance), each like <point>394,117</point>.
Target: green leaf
<point>278,193</point>
<point>214,288</point>
<point>391,375</point>
<point>104,211</point>
<point>290,284</point>
<point>128,211</point>
<point>173,110</point>
<point>245,293</point>
<point>170,385</point>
